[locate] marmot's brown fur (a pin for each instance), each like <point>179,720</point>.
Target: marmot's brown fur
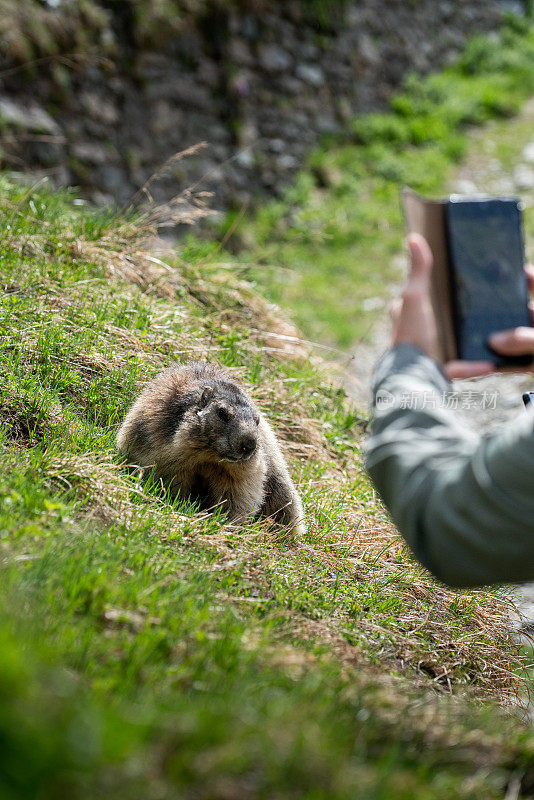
<point>206,439</point>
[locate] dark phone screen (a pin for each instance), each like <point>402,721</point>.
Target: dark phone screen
<point>490,288</point>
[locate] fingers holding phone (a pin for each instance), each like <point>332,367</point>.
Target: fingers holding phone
<point>517,341</point>
<point>512,342</point>
<point>478,286</point>
<point>461,370</point>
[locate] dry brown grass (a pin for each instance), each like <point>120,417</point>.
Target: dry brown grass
<point>433,639</point>
<point>439,637</point>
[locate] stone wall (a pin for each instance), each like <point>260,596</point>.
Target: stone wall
<point>258,86</point>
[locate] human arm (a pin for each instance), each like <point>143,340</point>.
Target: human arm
<point>463,503</point>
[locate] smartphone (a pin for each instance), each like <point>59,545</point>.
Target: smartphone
<point>489,285</point>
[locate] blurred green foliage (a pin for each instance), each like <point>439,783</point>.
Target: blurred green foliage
<point>328,248</point>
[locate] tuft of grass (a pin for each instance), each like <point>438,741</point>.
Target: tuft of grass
<point>329,248</point>
<point>33,30</point>
<point>150,650</point>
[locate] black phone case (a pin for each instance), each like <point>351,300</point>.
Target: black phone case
<point>460,209</point>
<point>428,217</point>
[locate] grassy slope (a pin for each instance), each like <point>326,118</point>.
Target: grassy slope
<point>151,651</point>
<point>328,248</point>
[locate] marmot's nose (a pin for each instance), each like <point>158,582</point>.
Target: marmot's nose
<point>247,445</point>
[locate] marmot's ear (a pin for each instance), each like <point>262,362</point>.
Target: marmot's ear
<point>207,394</point>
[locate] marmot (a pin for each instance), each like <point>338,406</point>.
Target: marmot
<point>207,440</point>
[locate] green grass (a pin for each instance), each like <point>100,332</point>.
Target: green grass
<point>147,650</point>
<point>151,651</point>
<point>493,155</point>
<point>330,246</point>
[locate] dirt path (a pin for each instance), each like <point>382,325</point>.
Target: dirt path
<point>500,161</point>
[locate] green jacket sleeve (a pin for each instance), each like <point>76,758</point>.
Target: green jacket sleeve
<point>464,503</point>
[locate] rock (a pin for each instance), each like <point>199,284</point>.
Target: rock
<point>309,104</point>
<point>248,133</point>
<point>237,177</point>
<point>465,186</point>
<point>276,145</point>
<point>163,120</point>
<point>353,17</point>
<point>326,123</point>
<point>113,180</point>
<point>269,179</point>
<point>218,133</point>
<point>512,6</point>
<point>301,119</point>
<point>294,10</point>
<point>151,65</point>
<point>240,84</point>
<point>372,303</point>
<point>181,89</point>
<point>101,199</point>
<point>368,50</point>
<point>46,153</point>
<point>187,48</point>
<point>27,116</point>
<point>524,177</point>
<point>245,158</point>
<point>290,85</point>
<point>214,173</point>
<point>92,153</point>
<point>504,185</point>
<point>99,108</point>
<point>273,58</point>
<point>528,152</point>
<point>287,161</point>
<point>250,26</point>
<point>310,51</point>
<point>240,52</point>
<point>209,73</point>
<point>219,151</point>
<point>310,74</point>
<point>261,86</point>
<point>31,136</point>
<point>186,92</point>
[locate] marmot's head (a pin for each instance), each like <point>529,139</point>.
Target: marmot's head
<point>227,423</point>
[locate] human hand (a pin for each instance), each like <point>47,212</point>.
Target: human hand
<point>413,317</point>
<point>517,341</point>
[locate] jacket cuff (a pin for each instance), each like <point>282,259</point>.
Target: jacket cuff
<point>409,360</point>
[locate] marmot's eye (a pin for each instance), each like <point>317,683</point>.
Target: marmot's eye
<point>257,420</point>
<point>223,414</point>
